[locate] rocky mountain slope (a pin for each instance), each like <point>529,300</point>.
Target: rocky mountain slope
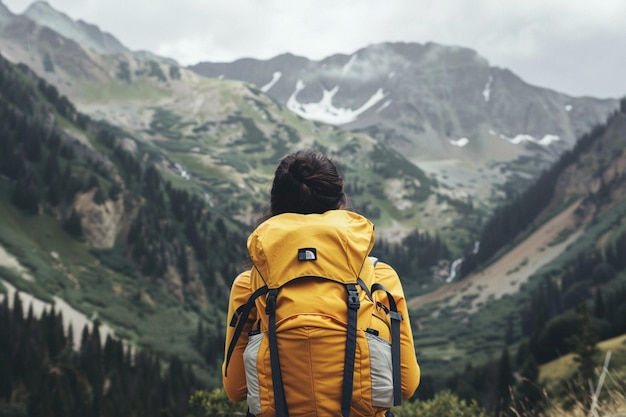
<point>428,101</point>
<point>570,252</point>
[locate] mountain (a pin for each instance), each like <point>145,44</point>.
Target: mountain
<point>430,101</point>
<point>559,243</point>
<point>83,33</point>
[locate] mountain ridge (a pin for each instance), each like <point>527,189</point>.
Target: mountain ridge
<point>84,33</point>
<point>378,67</point>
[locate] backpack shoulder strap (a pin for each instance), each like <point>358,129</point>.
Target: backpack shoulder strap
<point>240,316</point>
<point>351,333</point>
<point>280,402</point>
<point>362,283</point>
<point>396,318</point>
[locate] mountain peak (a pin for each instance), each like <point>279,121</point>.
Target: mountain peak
<point>4,11</point>
<point>83,33</point>
<point>43,8</point>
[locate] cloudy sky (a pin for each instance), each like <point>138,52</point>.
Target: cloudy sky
<point>577,47</point>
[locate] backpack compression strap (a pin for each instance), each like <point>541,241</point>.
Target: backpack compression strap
<point>239,319</point>
<point>363,286</point>
<point>280,402</point>
<point>348,364</point>
<point>396,318</point>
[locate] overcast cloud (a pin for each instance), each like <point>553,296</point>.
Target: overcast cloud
<point>577,47</point>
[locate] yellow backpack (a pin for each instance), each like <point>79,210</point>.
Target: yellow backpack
<point>326,335</point>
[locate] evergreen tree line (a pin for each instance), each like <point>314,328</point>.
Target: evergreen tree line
<point>41,374</point>
<point>520,214</point>
<point>563,316</point>
<point>33,155</point>
<point>417,252</point>
<point>209,343</point>
<point>174,228</point>
<point>549,320</point>
<point>170,220</point>
<point>47,174</point>
<point>501,385</point>
<point>509,386</point>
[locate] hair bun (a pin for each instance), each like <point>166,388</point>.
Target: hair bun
<point>306,182</point>
<point>299,170</point>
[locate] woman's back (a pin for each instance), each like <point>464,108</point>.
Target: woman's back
<point>318,334</point>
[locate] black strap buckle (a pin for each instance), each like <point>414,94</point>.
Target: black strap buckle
<point>270,305</point>
<point>353,299</point>
<point>395,315</point>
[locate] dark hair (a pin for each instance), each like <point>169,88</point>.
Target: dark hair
<point>306,182</point>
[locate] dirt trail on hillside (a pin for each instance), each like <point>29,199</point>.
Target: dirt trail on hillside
<point>508,273</point>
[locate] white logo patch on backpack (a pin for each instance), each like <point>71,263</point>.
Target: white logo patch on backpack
<point>307,254</point>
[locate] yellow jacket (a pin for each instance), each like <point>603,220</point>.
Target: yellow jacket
<point>312,378</point>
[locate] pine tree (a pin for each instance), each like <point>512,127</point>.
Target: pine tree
<point>48,65</point>
<point>584,345</point>
<point>599,308</point>
<point>73,224</point>
<point>529,399</point>
<point>504,385</point>
<point>26,194</point>
<point>6,371</point>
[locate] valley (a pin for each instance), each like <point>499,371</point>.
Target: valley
<point>511,270</point>
<point>129,184</point>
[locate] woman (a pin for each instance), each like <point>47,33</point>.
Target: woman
<point>306,246</point>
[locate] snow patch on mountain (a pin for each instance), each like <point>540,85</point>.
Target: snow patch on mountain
<point>568,108</point>
<point>384,106</point>
<point>459,142</point>
<point>182,171</point>
<point>487,89</point>
<point>7,260</point>
<point>275,77</point>
<point>324,111</point>
<point>346,68</point>
<point>546,140</point>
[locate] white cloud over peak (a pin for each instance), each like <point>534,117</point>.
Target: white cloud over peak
<point>547,43</point>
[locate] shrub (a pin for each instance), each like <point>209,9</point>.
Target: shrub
<point>216,403</point>
<point>444,403</point>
